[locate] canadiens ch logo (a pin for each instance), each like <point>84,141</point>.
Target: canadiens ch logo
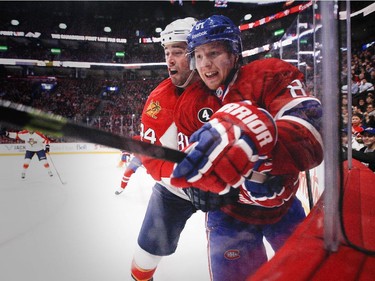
<point>153,109</point>
<point>232,254</point>
<point>219,92</point>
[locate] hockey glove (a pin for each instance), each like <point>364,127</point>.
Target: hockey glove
<point>207,201</point>
<point>223,152</point>
<point>267,192</point>
<point>47,148</point>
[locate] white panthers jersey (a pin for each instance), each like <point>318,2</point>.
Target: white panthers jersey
<point>34,141</point>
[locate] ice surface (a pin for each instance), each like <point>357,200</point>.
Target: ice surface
<point>82,231</point>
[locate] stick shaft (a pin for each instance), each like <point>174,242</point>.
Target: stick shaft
<point>25,117</point>
<point>54,167</point>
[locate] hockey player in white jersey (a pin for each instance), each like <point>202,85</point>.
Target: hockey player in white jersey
<point>36,143</point>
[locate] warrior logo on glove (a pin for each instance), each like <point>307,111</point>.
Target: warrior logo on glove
<point>259,127</point>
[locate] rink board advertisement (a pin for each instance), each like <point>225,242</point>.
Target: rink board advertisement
<point>59,148</point>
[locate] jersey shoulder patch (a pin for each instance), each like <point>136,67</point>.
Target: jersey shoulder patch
<point>153,109</point>
<point>163,97</point>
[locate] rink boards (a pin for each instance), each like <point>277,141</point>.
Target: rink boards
<point>316,174</point>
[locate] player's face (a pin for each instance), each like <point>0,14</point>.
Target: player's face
<point>177,62</point>
<point>214,63</point>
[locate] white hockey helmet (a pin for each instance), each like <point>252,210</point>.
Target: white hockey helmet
<point>177,31</point>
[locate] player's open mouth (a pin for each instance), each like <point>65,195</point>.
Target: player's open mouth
<point>210,74</point>
<point>172,71</point>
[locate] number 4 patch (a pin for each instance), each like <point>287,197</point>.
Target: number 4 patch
<point>205,114</point>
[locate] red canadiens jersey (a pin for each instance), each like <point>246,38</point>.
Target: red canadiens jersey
<point>169,118</point>
<point>277,86</point>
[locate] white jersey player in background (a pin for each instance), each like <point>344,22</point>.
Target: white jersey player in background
<point>36,143</point>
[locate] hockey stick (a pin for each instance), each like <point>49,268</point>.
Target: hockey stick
<point>26,117</point>
<point>54,167</point>
<point>309,190</point>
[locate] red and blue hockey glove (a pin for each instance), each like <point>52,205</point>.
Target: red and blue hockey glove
<point>223,152</point>
<point>262,189</point>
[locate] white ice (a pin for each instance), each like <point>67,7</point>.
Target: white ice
<point>82,231</point>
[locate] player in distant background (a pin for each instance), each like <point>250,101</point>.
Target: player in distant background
<point>125,159</point>
<point>133,163</point>
<point>36,143</point>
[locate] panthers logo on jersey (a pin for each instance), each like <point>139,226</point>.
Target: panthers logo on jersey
<point>32,141</point>
<point>153,109</point>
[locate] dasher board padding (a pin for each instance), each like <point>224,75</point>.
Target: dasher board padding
<point>304,257</point>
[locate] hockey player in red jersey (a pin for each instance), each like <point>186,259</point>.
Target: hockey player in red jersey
<point>267,131</point>
<point>36,143</point>
<point>181,97</point>
<point>125,159</point>
<point>133,163</point>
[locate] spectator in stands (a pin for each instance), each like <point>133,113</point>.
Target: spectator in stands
<point>367,153</point>
<point>370,99</point>
<point>344,100</point>
<point>357,126</point>
<point>369,116</point>
<point>365,86</point>
<point>370,110</point>
<point>344,115</point>
<point>356,109</point>
<point>354,88</point>
<point>362,105</point>
<point>345,139</point>
<point>357,123</point>
<point>372,77</point>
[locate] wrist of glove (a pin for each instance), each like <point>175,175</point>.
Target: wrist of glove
<point>263,189</point>
<point>47,148</point>
<point>208,201</point>
<point>223,152</point>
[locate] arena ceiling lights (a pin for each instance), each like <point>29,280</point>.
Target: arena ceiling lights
<point>14,22</point>
<point>63,26</point>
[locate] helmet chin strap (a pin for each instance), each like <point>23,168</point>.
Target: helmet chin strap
<point>187,80</point>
